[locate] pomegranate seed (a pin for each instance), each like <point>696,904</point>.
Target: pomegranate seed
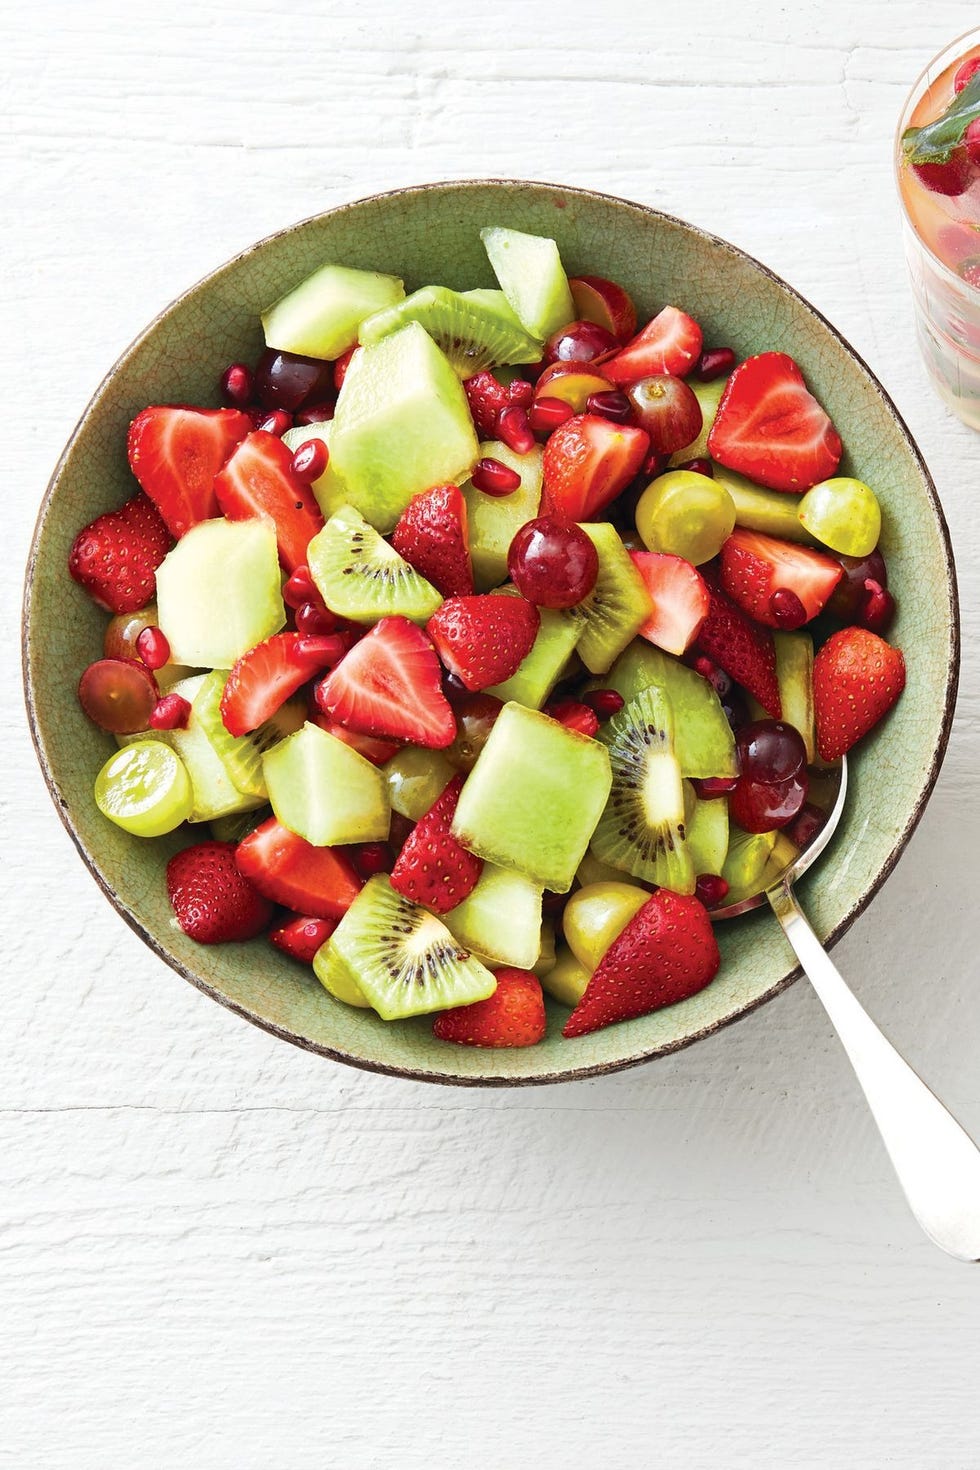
<point>655,464</point>
<point>711,889</point>
<point>699,467</point>
<point>521,392</point>
<point>809,820</point>
<point>574,716</point>
<point>878,608</point>
<point>605,702</point>
<point>237,384</point>
<point>546,414</point>
<point>153,648</point>
<point>787,608</point>
<point>965,73</point>
<point>715,363</point>
<point>514,430</point>
<point>171,712</point>
<point>612,405</point>
<point>371,858</point>
<point>300,588</point>
<point>340,367</point>
<point>325,651</point>
<point>716,677</point>
<point>494,478</point>
<point>313,620</point>
<point>708,787</point>
<point>316,413</point>
<point>276,422</point>
<point>310,460</point>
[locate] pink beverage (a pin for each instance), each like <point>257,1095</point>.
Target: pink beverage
<point>937,160</point>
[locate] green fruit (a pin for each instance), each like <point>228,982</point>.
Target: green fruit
<point>590,870</point>
<point>709,397</point>
<point>641,830</point>
<point>706,829</point>
<point>242,754</point>
<point>237,825</point>
<point>473,334</point>
<point>748,856</point>
<point>703,739</point>
<point>618,605</point>
<point>335,977</point>
<point>320,317</point>
<point>416,779</point>
<point>539,672</point>
<point>773,512</point>
<point>496,301</point>
<point>330,490</point>
<point>533,798</point>
<point>530,272</point>
<point>596,915</point>
<point>402,424</point>
<point>494,522</point>
<point>567,979</point>
<point>218,592</point>
<point>546,950</point>
<point>361,577</point>
<point>501,919</point>
<point>844,514</point>
<point>794,672</point>
<point>685,514</point>
<point>405,959</point>
<point>145,789</point>
<point>325,791</point>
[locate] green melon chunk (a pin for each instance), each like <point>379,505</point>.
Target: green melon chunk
<point>495,300</point>
<point>361,577</point>
<point>494,522</point>
<point>329,490</point>
<point>336,978</point>
<point>708,396</point>
<point>473,334</point>
<point>320,316</point>
<point>500,919</point>
<point>325,791</point>
<point>532,801</point>
<point>530,272</point>
<point>794,672</point>
<point>704,743</point>
<point>706,828</point>
<point>402,424</point>
<point>218,592</point>
<point>539,672</point>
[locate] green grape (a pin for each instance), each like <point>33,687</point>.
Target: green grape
<point>416,780</point>
<point>686,514</point>
<point>145,789</point>
<point>844,514</point>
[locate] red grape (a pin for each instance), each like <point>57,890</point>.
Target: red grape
<point>118,694</point>
<point>770,751</point>
<point>553,563</point>
<point>475,718</point>
<point>759,806</point>
<point>666,407</point>
<point>287,380</point>
<point>851,592</point>
<point>579,342</point>
<point>124,629</point>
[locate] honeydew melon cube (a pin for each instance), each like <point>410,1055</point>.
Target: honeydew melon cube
<point>500,919</point>
<point>218,592</point>
<point>494,522</point>
<point>532,278</point>
<point>540,670</point>
<point>325,791</point>
<point>320,316</point>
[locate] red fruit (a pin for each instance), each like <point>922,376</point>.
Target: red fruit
<point>118,694</point>
<point>213,901</point>
<point>377,751</point>
<point>770,427</point>
<point>300,588</point>
<point>259,479</point>
<point>175,453</point>
<point>952,177</point>
<point>761,806</point>
<point>971,142</point>
<point>671,343</point>
<point>572,382</point>
<point>604,302</point>
<point>237,385</point>
<point>310,460</point>
<point>574,716</point>
<point>580,341</point>
<point>857,677</point>
<point>264,677</point>
<point>667,408</point>
<point>513,1016</point>
<point>319,881</point>
<point>301,936</point>
<point>432,868</point>
<point>711,889</point>
<point>171,712</point>
<point>432,536</point>
<point>275,422</point>
<point>371,858</point>
<point>666,953</point>
<point>341,365</point>
<point>613,405</point>
<point>552,562</point>
<point>546,414</point>
<point>755,568</point>
<point>486,398</point>
<point>495,478</point>
<point>587,462</point>
<point>514,430</point>
<point>741,647</point>
<point>605,702</point>
<point>679,596</point>
<point>115,557</point>
<point>482,640</point>
<point>965,72</point>
<point>152,647</point>
<point>390,683</point>
<point>714,363</point>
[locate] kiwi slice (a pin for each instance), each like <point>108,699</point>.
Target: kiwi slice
<point>642,829</point>
<point>242,754</point>
<point>747,861</point>
<point>473,333</point>
<point>704,743</point>
<point>335,977</point>
<point>237,825</point>
<point>361,577</point>
<point>405,959</point>
<point>618,605</point>
<point>706,826</point>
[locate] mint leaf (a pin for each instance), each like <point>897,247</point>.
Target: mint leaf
<point>936,141</point>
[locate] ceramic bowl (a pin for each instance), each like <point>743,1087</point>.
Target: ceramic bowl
<point>427,234</point>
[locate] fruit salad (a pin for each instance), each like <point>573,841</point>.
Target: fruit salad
<point>485,642</point>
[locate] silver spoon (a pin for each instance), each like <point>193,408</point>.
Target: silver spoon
<point>937,1163</point>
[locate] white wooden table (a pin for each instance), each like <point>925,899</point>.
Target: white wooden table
<point>221,1253</point>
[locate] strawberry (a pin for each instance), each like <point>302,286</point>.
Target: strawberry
<point>483,640</point>
<point>857,677</point>
<point>175,453</point>
<point>432,536</point>
<point>754,567</point>
<point>316,881</point>
<point>741,647</point>
<point>213,901</point>
<point>588,460</point>
<point>390,684</point>
<point>666,953</point>
<point>265,676</point>
<point>115,558</point>
<point>432,868</point>
<point>300,936</point>
<point>512,1016</point>
<point>770,427</point>
<point>679,597</point>
<point>671,343</point>
<point>486,398</point>
<point>378,752</point>
<point>259,480</point>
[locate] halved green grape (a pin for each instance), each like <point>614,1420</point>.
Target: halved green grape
<point>844,514</point>
<point>145,789</point>
<point>686,514</point>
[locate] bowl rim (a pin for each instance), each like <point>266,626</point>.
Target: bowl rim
<point>572,1073</point>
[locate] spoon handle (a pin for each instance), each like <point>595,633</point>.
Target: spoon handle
<point>937,1163</point>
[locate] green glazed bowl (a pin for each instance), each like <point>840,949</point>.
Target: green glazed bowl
<point>428,234</point>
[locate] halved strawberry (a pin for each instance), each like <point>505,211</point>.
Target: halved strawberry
<point>754,567</point>
<point>115,557</point>
<point>670,343</point>
<point>857,677</point>
<point>483,640</point>
<point>175,453</point>
<point>390,683</point>
<point>432,868</point>
<point>679,596</point>
<point>486,397</point>
<point>432,536</point>
<point>318,881</point>
<point>588,460</point>
<point>770,427</point>
<point>301,935</point>
<point>373,749</point>
<point>513,1015</point>
<point>574,716</point>
<point>740,646</point>
<point>264,677</point>
<point>259,480</point>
